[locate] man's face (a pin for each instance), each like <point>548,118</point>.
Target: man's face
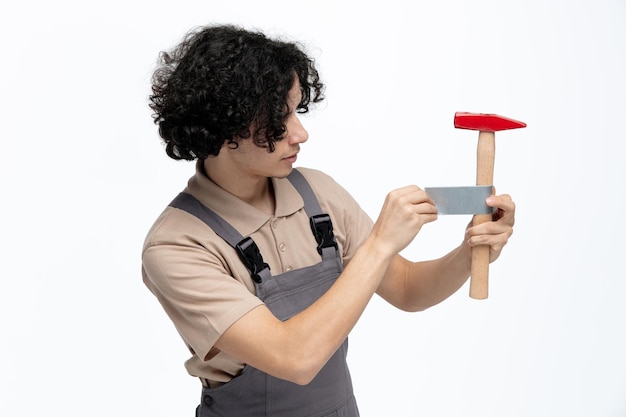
<point>254,160</point>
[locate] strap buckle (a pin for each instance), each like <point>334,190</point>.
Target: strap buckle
<point>322,228</point>
<point>251,257</point>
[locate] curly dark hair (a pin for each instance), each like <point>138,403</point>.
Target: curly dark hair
<point>222,80</point>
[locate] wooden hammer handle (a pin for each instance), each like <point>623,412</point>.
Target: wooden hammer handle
<point>485,156</point>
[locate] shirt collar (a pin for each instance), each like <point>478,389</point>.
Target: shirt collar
<point>245,218</point>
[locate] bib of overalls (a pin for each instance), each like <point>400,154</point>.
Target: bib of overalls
<point>254,393</point>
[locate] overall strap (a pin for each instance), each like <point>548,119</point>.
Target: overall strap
<point>246,248</point>
<point>321,225</point>
<point>311,206</point>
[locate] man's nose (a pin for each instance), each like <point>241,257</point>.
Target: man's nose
<point>296,133</point>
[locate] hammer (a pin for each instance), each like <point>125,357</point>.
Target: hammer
<point>487,125</point>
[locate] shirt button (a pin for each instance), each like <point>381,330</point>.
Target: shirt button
<point>282,247</point>
<point>274,224</point>
<point>288,268</point>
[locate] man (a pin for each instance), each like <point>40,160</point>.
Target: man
<point>265,269</point>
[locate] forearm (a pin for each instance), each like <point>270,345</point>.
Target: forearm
<point>416,286</point>
<point>298,348</point>
<point>318,331</point>
<point>431,282</point>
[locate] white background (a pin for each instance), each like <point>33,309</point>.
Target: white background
<point>83,175</point>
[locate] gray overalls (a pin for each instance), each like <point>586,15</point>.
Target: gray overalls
<point>254,393</point>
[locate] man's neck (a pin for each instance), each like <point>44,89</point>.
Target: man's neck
<point>254,190</point>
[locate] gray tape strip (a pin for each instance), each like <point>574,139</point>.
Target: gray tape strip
<point>461,200</point>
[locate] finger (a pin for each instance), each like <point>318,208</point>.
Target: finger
<point>489,234</point>
<point>505,208</point>
<point>495,243</point>
<point>426,208</point>
<point>503,202</point>
<point>417,196</point>
<point>428,217</point>
<point>489,228</point>
<point>413,195</point>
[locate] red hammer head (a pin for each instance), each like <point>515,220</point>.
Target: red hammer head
<point>485,122</point>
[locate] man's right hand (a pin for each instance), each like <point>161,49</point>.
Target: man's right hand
<point>402,216</point>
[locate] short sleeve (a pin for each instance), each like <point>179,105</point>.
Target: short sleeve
<point>195,284</point>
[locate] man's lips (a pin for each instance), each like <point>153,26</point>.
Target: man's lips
<point>291,158</point>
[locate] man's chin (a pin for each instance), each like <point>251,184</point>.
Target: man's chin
<point>282,174</point>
